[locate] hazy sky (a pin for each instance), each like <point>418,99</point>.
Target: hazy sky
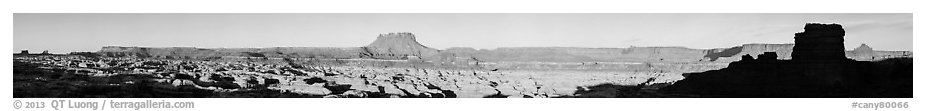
<point>61,33</point>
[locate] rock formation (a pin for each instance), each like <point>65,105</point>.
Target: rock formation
<point>397,46</point>
<point>768,56</point>
<point>819,68</point>
<point>404,46</point>
<point>863,53</point>
<point>866,53</point>
<point>396,65</point>
<point>820,43</point>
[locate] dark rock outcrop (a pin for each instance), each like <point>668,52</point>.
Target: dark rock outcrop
<point>819,68</point>
<point>768,56</point>
<point>820,43</point>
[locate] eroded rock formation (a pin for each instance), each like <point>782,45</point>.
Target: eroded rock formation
<point>819,68</point>
<point>396,65</point>
<point>397,46</point>
<point>820,43</point>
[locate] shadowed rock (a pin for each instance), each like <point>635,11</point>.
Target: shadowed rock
<point>819,69</point>
<point>713,55</point>
<point>820,43</point>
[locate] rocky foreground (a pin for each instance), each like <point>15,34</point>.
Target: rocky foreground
<point>82,76</point>
<point>396,65</point>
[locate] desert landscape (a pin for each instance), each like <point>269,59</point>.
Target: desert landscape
<point>396,65</point>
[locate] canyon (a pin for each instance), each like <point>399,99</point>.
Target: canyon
<point>397,65</point>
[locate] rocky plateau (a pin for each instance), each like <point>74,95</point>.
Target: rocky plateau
<point>396,65</point>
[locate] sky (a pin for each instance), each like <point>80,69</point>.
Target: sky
<point>69,32</point>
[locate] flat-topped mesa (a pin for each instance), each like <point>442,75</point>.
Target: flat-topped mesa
<point>396,36</point>
<point>398,45</point>
<point>819,43</point>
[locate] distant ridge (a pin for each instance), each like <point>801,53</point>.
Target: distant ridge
<point>404,46</point>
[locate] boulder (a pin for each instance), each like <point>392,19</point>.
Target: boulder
<point>182,82</point>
